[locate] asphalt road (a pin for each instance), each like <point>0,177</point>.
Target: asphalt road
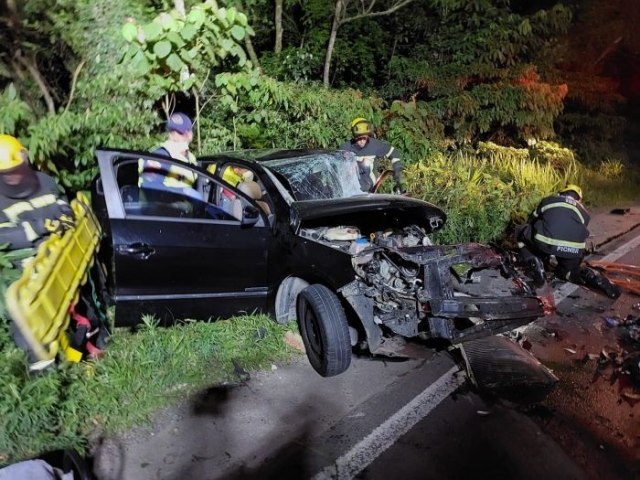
<point>412,419</point>
<point>583,430</point>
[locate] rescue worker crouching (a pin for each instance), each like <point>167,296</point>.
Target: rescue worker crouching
<point>558,227</point>
<point>31,204</point>
<point>369,150</point>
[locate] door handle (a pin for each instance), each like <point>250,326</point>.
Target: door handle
<point>141,250</point>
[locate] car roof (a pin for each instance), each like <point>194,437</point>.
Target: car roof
<point>266,154</point>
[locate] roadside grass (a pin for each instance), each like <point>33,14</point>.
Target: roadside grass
<point>140,372</point>
<point>486,192</point>
<point>483,193</point>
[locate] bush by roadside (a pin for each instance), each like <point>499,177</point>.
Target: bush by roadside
<point>483,193</point>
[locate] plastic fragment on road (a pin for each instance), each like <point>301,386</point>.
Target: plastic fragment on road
<point>624,276</point>
<point>612,321</point>
<point>501,366</point>
<point>38,302</point>
<point>620,211</point>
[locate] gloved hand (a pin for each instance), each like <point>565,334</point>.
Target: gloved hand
<point>66,210</point>
<point>399,189</point>
<point>45,226</point>
<point>67,222</point>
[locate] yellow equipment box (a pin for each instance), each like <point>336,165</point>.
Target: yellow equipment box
<point>38,302</point>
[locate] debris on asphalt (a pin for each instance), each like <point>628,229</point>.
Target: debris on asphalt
<point>612,321</point>
<point>620,211</point>
<point>501,366</point>
<point>294,340</point>
<point>625,276</point>
<point>631,367</point>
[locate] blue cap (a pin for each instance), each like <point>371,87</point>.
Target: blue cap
<point>179,122</point>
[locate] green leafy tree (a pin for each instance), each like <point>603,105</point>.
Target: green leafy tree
<point>177,53</point>
<point>473,74</point>
<point>66,94</point>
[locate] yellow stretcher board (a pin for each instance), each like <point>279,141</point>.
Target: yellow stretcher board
<point>38,302</point>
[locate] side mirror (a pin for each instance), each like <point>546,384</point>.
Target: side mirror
<point>250,216</point>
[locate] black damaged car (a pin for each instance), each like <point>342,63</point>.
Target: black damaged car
<point>291,233</point>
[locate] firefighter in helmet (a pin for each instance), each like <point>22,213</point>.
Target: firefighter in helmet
<point>558,228</point>
<point>31,206</point>
<point>369,151</point>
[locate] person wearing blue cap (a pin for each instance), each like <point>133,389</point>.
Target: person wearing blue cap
<point>156,175</point>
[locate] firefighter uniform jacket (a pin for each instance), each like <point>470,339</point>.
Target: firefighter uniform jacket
<point>159,176</point>
<point>559,225</point>
<point>368,157</point>
<point>22,220</point>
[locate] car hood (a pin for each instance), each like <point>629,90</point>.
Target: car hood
<point>368,212</point>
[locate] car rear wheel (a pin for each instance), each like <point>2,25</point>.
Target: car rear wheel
<point>324,330</point>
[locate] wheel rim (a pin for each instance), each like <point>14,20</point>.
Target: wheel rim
<point>311,329</point>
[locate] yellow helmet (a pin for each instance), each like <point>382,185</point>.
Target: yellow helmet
<point>12,153</point>
<point>571,187</point>
<point>17,178</point>
<point>361,127</point>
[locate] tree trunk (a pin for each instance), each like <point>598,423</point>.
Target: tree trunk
<point>332,41</point>
<point>179,6</point>
<point>277,48</point>
<point>198,141</point>
<point>33,70</point>
<point>341,17</point>
<point>252,53</point>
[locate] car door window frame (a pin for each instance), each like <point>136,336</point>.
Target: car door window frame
<point>116,208</point>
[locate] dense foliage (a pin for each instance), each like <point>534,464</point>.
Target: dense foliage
<point>482,97</point>
<point>435,76</point>
<point>73,403</point>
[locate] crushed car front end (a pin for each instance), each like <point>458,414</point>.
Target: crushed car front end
<point>405,287</point>
<point>396,284</point>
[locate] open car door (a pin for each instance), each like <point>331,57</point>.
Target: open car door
<point>179,253</point>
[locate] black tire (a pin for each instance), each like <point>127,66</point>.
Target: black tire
<point>324,330</point>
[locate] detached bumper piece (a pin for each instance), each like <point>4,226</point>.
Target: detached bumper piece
<point>499,308</point>
<point>503,367</point>
<point>38,302</point>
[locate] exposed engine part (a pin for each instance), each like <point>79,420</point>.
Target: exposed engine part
<point>408,287</point>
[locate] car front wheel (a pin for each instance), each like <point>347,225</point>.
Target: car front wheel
<point>324,330</point>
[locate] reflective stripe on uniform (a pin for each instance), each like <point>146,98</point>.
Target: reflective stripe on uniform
<point>559,243</point>
<point>173,177</point>
<point>29,232</point>
<point>14,211</point>
<point>43,201</point>
<point>179,177</point>
<point>564,205</point>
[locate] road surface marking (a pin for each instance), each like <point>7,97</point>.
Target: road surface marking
<point>385,435</point>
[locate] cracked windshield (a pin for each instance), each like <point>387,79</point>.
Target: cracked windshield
<point>319,176</point>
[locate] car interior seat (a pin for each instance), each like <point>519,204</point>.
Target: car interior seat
<point>252,189</point>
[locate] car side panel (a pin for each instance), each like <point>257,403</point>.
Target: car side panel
<point>187,269</point>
